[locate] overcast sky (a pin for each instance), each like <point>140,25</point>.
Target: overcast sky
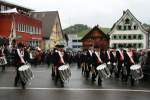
<point>91,12</point>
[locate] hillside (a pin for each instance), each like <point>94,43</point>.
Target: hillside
<point>81,30</point>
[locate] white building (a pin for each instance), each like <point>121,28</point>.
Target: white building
<point>128,31</point>
<point>74,42</point>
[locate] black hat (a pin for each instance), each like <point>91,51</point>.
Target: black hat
<point>20,45</point>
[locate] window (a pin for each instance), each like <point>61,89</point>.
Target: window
<point>127,21</point>
<point>119,27</point>
<point>115,37</point>
<point>134,45</point>
<point>140,37</point>
<point>74,46</point>
<point>125,28</point>
<point>129,27</point>
<point>124,37</point>
<point>115,45</point>
<point>74,40</point>
<point>2,7</point>
<point>134,36</point>
<point>135,27</point>
<point>129,37</point>
<point>120,37</point>
<point>140,45</point>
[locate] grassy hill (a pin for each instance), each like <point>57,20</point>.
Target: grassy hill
<point>81,30</point>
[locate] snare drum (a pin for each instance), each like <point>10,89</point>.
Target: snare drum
<point>25,73</point>
<point>103,71</point>
<point>136,71</point>
<point>3,60</point>
<point>65,72</point>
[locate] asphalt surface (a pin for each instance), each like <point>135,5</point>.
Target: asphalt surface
<point>77,88</point>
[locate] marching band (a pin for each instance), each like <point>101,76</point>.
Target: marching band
<point>95,63</point>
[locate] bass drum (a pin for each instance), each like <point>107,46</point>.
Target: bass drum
<point>103,71</point>
<point>136,71</point>
<point>26,73</point>
<point>65,72</point>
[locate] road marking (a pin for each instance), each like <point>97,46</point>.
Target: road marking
<point>75,89</point>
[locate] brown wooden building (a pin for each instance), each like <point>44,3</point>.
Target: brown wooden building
<point>95,37</point>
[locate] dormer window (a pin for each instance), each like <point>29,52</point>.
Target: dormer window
<point>127,21</point>
<point>135,27</point>
<point>119,27</point>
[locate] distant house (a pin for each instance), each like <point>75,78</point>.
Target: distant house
<point>128,31</point>
<point>95,37</point>
<point>51,28</point>
<point>5,5</point>
<point>74,42</point>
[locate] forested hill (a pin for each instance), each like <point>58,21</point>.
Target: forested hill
<point>81,29</point>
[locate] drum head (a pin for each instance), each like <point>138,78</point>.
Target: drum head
<point>63,67</point>
<point>23,67</point>
<point>102,66</point>
<point>134,67</point>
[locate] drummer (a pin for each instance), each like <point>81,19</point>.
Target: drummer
<point>19,61</point>
<point>89,61</point>
<point>129,60</point>
<point>58,60</point>
<point>97,60</point>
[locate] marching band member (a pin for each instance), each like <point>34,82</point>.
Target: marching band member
<point>58,60</point>
<point>120,61</point>
<point>130,58</point>
<point>89,61</point>
<point>19,61</point>
<point>113,60</point>
<point>96,62</point>
<point>2,55</point>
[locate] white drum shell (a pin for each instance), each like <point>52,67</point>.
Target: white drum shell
<point>136,71</point>
<point>3,60</point>
<point>103,71</point>
<point>65,72</point>
<point>25,73</point>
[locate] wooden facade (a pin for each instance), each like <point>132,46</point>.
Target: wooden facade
<point>95,37</point>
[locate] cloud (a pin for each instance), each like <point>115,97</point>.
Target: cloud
<point>91,12</point>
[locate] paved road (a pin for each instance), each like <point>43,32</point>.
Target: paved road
<point>42,88</point>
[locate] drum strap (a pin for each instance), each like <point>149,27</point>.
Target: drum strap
<point>98,56</point>
<point>61,57</point>
<point>108,53</point>
<point>130,56</point>
<point>121,55</point>
<point>90,52</point>
<point>21,55</point>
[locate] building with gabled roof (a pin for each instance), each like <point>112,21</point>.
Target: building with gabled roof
<point>128,31</point>
<point>52,29</point>
<point>95,37</point>
<point>5,5</point>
